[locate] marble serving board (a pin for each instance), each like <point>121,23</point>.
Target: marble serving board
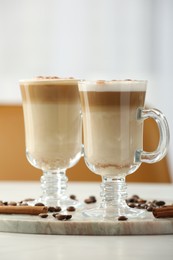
<point>79,225</point>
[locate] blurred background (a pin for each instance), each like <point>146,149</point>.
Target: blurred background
<point>105,39</point>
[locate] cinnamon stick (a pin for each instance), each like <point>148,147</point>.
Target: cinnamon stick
<point>30,210</point>
<point>163,212</point>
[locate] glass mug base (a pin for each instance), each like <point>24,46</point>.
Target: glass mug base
<point>113,202</point>
<point>100,213</point>
<point>54,191</point>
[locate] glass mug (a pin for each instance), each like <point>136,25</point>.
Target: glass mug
<point>53,133</point>
<point>113,116</point>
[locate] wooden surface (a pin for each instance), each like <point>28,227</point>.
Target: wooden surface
<point>14,165</point>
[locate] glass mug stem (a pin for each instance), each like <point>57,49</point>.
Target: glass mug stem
<point>54,186</point>
<point>160,152</point>
<point>113,201</point>
<point>113,194</point>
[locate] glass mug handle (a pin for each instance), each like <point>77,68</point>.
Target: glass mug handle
<point>160,152</point>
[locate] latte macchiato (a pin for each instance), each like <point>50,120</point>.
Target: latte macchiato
<point>112,133</point>
<point>53,127</point>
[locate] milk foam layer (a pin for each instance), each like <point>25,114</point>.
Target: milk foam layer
<point>113,85</point>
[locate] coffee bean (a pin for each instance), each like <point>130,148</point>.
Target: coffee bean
<point>54,209</point>
<point>57,209</point>
<point>122,218</point>
<point>51,209</point>
<point>60,217</point>
<point>39,204</point>
<point>88,201</point>
<point>135,196</point>
<point>91,199</point>
<point>68,217</point>
<point>131,200</point>
<point>63,217</point>
<point>73,197</point>
<point>131,205</point>
<point>160,203</point>
<point>150,208</point>
<point>71,208</point>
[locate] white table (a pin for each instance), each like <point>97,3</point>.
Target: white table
<point>31,246</point>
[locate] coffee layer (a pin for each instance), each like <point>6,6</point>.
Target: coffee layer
<point>49,91</point>
<point>102,100</point>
